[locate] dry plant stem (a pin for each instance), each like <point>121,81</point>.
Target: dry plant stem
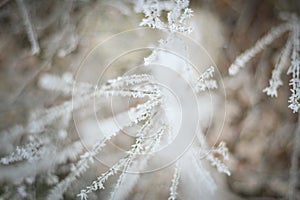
<point>35,48</point>
<point>294,163</point>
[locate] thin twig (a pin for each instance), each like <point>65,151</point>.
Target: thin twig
<point>294,163</point>
<point>35,48</point>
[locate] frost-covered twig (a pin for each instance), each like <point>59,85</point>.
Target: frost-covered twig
<point>137,114</point>
<point>143,147</point>
<point>201,172</point>
<point>125,163</point>
<point>58,156</point>
<point>175,182</point>
<point>28,152</point>
<point>153,143</point>
<point>126,180</point>
<point>35,48</point>
<point>205,82</point>
<point>242,59</point>
<point>122,163</point>
<point>68,33</point>
<point>135,150</point>
<point>221,150</point>
<point>295,67</point>
<point>275,81</point>
<point>294,163</point>
<point>112,88</point>
<point>178,13</point>
<point>98,184</point>
<point>68,85</point>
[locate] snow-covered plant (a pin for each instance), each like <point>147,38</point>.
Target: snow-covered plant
<point>48,128</point>
<point>290,51</point>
